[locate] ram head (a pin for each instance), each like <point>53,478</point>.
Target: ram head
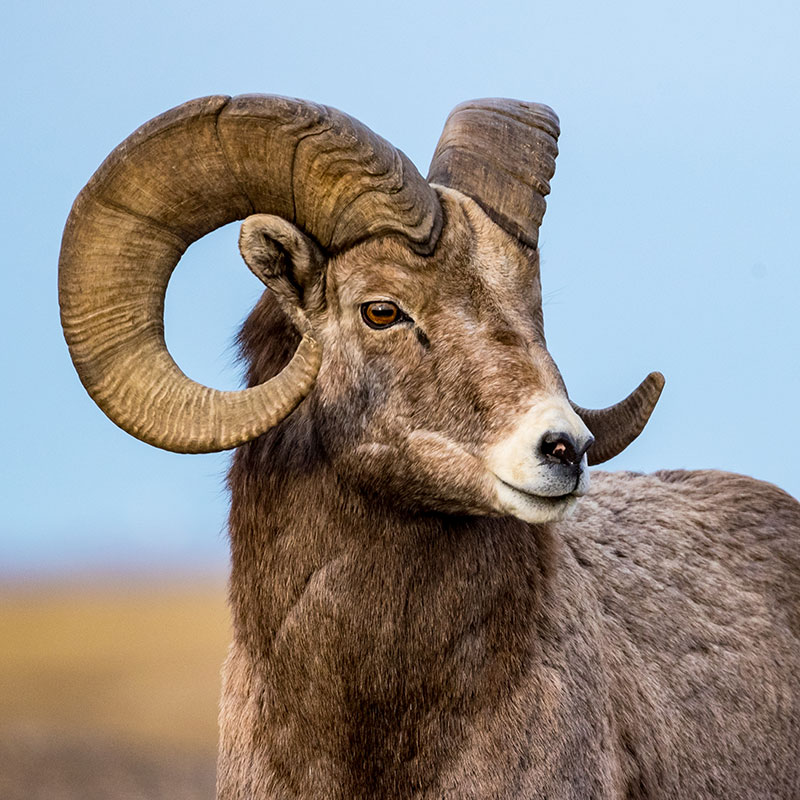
<point>403,328</point>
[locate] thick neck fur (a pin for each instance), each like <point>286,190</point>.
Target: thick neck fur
<point>375,638</point>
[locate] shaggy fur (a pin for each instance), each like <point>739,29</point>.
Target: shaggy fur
<point>394,637</point>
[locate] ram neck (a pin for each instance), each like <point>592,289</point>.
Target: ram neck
<point>366,634</point>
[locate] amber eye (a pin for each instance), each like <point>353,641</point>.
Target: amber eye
<point>381,314</point>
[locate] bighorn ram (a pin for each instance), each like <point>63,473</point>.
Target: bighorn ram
<point>415,612</point>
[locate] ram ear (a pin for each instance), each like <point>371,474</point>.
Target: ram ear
<point>288,262</point>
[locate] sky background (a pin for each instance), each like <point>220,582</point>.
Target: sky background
<point>670,240</point>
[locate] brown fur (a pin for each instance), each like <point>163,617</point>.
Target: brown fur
<point>395,638</point>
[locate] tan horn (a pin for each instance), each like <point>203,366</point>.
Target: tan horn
<point>183,174</point>
<point>615,427</point>
<point>502,154</point>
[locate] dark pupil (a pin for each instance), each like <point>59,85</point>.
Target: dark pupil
<point>382,313</point>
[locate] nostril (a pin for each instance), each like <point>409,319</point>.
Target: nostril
<point>560,447</point>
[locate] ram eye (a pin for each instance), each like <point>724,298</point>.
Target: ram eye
<point>381,314</point>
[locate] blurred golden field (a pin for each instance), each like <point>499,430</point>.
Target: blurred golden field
<point>109,688</point>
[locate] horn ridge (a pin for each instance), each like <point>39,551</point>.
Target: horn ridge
<point>501,153</point>
<point>615,427</point>
<point>179,176</point>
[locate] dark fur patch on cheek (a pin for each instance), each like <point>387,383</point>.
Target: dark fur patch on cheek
<point>422,338</point>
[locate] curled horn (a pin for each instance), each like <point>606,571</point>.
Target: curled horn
<point>502,154</point>
<point>180,176</point>
<point>615,427</point>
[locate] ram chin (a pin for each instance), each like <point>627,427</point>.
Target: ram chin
<point>532,507</point>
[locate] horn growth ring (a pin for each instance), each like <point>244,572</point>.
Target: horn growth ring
<point>185,173</point>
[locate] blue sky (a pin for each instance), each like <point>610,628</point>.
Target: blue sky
<point>669,241</point>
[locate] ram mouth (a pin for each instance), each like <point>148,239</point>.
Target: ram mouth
<point>534,508</point>
<point>548,499</point>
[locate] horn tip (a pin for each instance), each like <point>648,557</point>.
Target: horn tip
<point>653,385</point>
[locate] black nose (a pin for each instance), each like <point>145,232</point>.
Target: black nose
<point>561,448</point>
